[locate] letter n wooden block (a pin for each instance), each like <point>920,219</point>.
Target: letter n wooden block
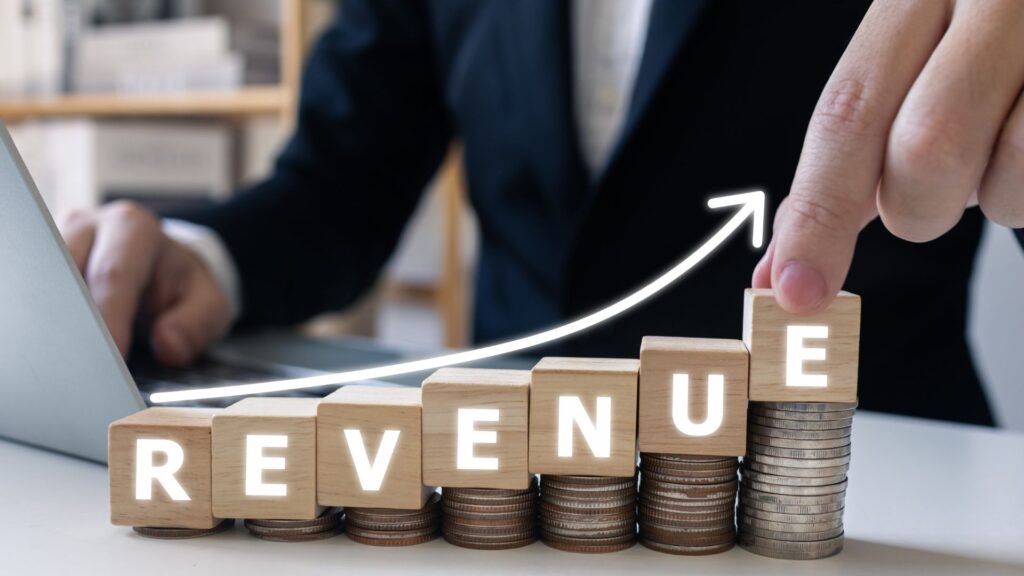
<point>160,469</point>
<point>583,416</point>
<point>475,428</point>
<point>370,448</point>
<point>801,358</point>
<point>264,459</point>
<point>693,396</point>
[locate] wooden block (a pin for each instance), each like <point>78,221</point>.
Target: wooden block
<point>801,358</point>
<point>476,427</point>
<point>264,459</point>
<point>370,448</point>
<point>693,396</point>
<point>160,474</point>
<point>583,416</point>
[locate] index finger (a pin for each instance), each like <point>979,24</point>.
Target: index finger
<point>834,189</point>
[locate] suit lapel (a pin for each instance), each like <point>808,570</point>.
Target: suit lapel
<point>670,22</point>
<point>537,46</point>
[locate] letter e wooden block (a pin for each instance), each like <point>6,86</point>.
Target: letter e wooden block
<point>583,416</point>
<point>160,469</point>
<point>370,448</point>
<point>475,428</point>
<point>801,358</point>
<point>264,459</point>
<point>693,396</point>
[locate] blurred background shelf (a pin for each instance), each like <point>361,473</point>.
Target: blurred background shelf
<point>246,101</point>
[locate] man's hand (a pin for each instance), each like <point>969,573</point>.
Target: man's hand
<point>130,266</point>
<point>922,116</point>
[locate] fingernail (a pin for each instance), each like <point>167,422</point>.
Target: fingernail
<point>800,287</point>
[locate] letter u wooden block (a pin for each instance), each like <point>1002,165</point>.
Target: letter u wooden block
<point>693,396</point>
<point>801,358</point>
<point>475,428</point>
<point>370,448</point>
<point>264,459</point>
<point>160,469</point>
<point>583,416</point>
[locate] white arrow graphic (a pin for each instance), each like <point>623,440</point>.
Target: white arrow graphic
<point>752,206</point>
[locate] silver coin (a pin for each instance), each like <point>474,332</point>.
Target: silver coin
<point>791,550</point>
<point>792,536</point>
<point>798,472</point>
<point>793,518</point>
<point>817,499</point>
<point>807,406</point>
<point>745,521</point>
<point>823,453</point>
<point>779,443</point>
<point>755,475</point>
<point>843,423</point>
<point>804,416</point>
<point>760,430</point>
<point>791,508</point>
<point>795,490</point>
<point>799,462</point>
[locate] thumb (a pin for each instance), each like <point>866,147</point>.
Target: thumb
<point>182,331</point>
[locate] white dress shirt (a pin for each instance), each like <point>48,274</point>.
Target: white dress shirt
<point>608,38</point>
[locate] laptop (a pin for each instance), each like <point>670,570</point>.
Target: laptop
<point>62,379</point>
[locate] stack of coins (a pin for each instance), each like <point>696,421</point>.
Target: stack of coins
<point>793,489</point>
<point>687,503</point>
<point>490,518</point>
<point>588,514</point>
<point>387,527</point>
<point>328,524</point>
<point>182,533</point>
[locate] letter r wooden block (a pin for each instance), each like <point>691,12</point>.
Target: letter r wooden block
<point>475,428</point>
<point>264,459</point>
<point>160,474</point>
<point>801,358</point>
<point>369,440</point>
<point>693,396</point>
<point>583,416</point>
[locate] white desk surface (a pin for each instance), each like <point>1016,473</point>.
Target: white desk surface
<point>924,498</point>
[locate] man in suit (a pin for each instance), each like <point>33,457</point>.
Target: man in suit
<point>594,130</point>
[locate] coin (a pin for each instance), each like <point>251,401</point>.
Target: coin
<point>755,475</point>
<point>797,472</point>
<point>799,462</point>
<point>810,444</point>
<point>791,550</point>
<point>488,545</point>
<point>784,508</point>
<point>686,478</point>
<point>389,539</point>
<point>319,535</point>
<point>686,550</point>
<point>796,490</point>
<point>758,449</point>
<point>791,434</point>
<point>490,518</point>
<point>802,527</point>
<point>800,415</point>
<point>793,518</point>
<point>327,519</point>
<point>683,538</point>
<point>182,533</point>
<point>585,480</point>
<point>809,425</point>
<point>689,492</point>
<point>808,406</point>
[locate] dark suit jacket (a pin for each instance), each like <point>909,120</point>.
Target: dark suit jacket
<point>724,93</point>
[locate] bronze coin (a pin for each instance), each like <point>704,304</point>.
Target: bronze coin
<point>589,532</point>
<point>686,550</point>
<point>583,548</point>
<point>403,541</point>
<point>589,488</point>
<point>691,526</point>
<point>329,517</point>
<point>585,480</point>
<point>182,533</point>
<point>593,496</point>
<point>484,518</point>
<point>649,513</point>
<point>598,514</point>
<point>307,537</point>
<point>490,492</point>
<point>491,536</point>
<point>397,525</point>
<point>688,467</point>
<point>265,530</point>
<point>489,501</point>
<point>431,504</point>
<point>464,525</point>
<point>474,545</point>
<point>496,508</point>
<point>688,539</point>
<point>658,475</point>
<point>689,492</point>
<point>392,522</point>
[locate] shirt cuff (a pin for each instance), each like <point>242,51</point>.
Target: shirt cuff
<point>206,244</point>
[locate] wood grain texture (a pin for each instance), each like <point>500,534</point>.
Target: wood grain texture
<point>663,357</point>
<point>448,390</point>
<point>588,379</point>
<point>371,410</point>
<point>190,428</point>
<point>765,325</point>
<point>293,417</point>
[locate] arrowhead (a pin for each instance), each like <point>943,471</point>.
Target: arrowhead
<point>752,204</point>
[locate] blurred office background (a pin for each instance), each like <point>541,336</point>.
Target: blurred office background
<point>170,102</point>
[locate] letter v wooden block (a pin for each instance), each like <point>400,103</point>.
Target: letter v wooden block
<point>160,473</point>
<point>583,416</point>
<point>693,396</point>
<point>802,358</point>
<point>369,440</point>
<point>475,427</point>
<point>264,459</point>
